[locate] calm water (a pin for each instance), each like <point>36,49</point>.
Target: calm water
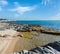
<point>54,24</point>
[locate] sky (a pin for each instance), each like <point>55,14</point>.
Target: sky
<point>30,9</point>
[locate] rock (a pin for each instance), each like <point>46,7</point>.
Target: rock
<point>51,48</point>
<point>20,35</point>
<point>50,31</point>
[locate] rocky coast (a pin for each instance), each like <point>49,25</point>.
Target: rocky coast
<point>19,37</point>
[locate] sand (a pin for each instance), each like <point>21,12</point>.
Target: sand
<point>8,32</point>
<point>14,43</point>
<point>39,40</point>
<point>10,46</point>
<point>8,41</point>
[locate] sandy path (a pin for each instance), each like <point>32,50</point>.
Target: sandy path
<point>7,43</point>
<point>8,49</point>
<point>3,43</point>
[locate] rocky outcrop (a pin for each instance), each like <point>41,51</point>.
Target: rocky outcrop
<point>51,48</point>
<point>28,28</point>
<point>50,31</point>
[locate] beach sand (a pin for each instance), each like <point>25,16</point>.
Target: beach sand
<point>30,40</point>
<point>10,46</point>
<point>7,43</point>
<point>40,40</point>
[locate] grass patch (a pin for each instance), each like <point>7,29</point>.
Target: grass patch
<point>28,34</point>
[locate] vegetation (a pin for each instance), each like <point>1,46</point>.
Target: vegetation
<point>26,34</point>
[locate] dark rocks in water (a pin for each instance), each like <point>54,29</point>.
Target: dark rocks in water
<point>23,29</point>
<point>26,28</point>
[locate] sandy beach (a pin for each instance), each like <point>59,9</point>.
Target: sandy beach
<point>15,43</point>
<point>7,41</point>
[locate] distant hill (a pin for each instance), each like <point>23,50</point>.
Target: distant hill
<point>2,19</point>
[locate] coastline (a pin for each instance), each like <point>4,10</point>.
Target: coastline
<point>25,37</point>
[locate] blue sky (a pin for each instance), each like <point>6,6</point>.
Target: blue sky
<point>30,9</point>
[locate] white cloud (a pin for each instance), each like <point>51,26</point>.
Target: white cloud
<point>45,2</point>
<point>3,2</point>
<point>22,9</point>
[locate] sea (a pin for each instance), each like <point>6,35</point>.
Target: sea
<point>53,24</point>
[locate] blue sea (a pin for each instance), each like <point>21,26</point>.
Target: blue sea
<point>54,24</point>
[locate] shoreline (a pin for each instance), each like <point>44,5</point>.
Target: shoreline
<point>25,37</point>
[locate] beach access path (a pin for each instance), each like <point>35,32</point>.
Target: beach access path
<point>7,43</point>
